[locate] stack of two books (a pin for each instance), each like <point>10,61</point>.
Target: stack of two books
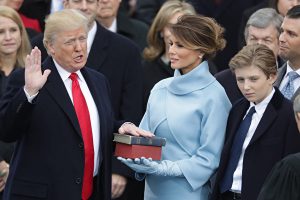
<point>128,146</point>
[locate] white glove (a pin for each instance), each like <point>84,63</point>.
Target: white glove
<point>147,166</point>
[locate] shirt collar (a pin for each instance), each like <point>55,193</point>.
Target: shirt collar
<point>91,36</point>
<point>64,74</point>
<point>289,69</point>
<point>261,107</point>
<point>113,27</point>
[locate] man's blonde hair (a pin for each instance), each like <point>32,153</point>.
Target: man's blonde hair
<point>64,20</point>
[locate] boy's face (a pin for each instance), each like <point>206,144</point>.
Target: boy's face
<point>253,83</point>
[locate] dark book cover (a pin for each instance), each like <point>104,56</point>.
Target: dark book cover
<point>138,151</point>
<point>137,140</point>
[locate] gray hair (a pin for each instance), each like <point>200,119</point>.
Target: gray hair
<point>296,104</point>
<point>262,18</point>
<point>64,20</point>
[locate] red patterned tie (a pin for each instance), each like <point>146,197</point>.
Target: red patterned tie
<point>83,116</point>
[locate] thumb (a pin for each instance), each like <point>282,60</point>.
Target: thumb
<point>147,162</point>
<point>46,73</point>
<point>121,159</point>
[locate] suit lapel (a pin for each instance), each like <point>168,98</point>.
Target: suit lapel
<point>236,116</point>
<point>235,122</point>
<point>295,94</point>
<point>98,50</point>
<point>58,92</point>
<point>269,116</point>
<point>96,92</point>
<point>280,75</point>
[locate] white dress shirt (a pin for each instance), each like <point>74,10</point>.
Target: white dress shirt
<point>91,37</point>
<point>285,79</point>
<point>56,5</point>
<point>260,109</point>
<point>113,27</point>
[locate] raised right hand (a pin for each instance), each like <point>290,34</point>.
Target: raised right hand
<point>4,169</point>
<point>34,78</point>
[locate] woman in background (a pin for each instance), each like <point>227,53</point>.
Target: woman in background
<point>14,46</point>
<point>32,24</point>
<point>190,110</point>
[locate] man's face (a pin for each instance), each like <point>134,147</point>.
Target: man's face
<point>267,36</point>
<point>88,7</point>
<point>108,8</point>
<point>69,49</point>
<point>289,41</point>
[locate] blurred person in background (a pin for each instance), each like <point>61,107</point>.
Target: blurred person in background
<point>28,22</point>
<point>14,46</point>
<point>39,9</point>
<point>113,16</point>
<point>228,14</point>
<point>281,6</point>
<point>288,79</point>
<point>146,10</point>
<point>263,27</point>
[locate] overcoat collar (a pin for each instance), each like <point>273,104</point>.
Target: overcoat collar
<point>98,51</point>
<point>269,116</point>
<point>196,79</point>
<point>58,92</point>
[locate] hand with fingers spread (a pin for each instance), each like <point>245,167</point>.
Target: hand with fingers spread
<point>130,128</point>
<point>34,77</point>
<point>4,170</point>
<point>147,166</point>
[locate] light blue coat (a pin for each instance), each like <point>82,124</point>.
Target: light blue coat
<point>191,111</point>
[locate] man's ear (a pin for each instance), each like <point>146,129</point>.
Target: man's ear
<point>50,48</point>
<point>273,78</point>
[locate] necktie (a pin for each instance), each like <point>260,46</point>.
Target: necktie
<point>83,116</point>
<point>288,89</point>
<point>236,150</point>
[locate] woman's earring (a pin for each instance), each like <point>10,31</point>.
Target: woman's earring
<point>161,35</point>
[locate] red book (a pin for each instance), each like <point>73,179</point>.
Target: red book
<point>137,151</point>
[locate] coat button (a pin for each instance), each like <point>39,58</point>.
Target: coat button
<point>80,145</point>
<point>78,180</point>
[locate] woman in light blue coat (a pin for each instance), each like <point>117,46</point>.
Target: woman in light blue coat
<point>190,110</point>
